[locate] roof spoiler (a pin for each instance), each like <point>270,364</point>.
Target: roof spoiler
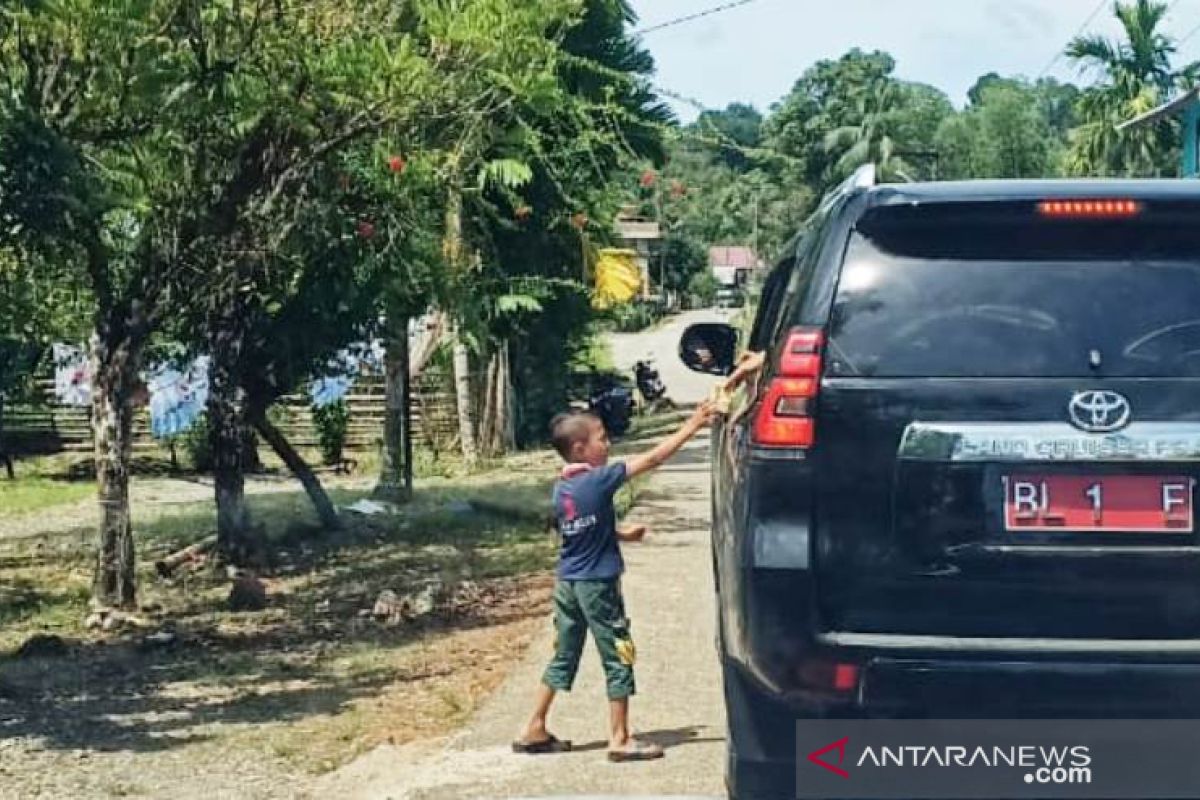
<point>862,178</point>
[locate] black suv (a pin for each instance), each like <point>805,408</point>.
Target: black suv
<point>964,484</point>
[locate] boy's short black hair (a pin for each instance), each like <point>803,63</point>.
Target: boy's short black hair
<point>569,428</point>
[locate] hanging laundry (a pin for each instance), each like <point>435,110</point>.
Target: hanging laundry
<point>177,398</point>
<point>72,375</point>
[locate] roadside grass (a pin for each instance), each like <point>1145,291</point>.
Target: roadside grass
<point>28,494</point>
<point>313,679</point>
<point>66,479</point>
<point>320,678</point>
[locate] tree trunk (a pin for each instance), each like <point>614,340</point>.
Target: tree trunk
<point>487,422</point>
<point>396,473</point>
<point>498,426</point>
<point>452,246</point>
<point>226,436</point>
<point>466,404</point>
<point>426,345</point>
<point>296,463</point>
<point>508,419</point>
<point>251,462</point>
<point>114,377</point>
<point>5,457</point>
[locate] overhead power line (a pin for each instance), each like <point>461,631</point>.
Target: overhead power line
<point>1090,18</point>
<point>1188,36</point>
<point>691,17</point>
<point>712,135</point>
<point>691,101</point>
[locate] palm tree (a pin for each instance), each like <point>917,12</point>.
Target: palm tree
<point>872,138</point>
<point>1136,75</point>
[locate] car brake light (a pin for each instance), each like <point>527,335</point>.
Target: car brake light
<point>785,418</point>
<point>845,677</point>
<point>1089,209</point>
<point>821,673</point>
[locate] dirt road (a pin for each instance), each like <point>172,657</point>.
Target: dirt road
<point>661,344</point>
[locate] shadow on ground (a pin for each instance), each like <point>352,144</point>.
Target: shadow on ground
<point>666,739</point>
<point>311,653</point>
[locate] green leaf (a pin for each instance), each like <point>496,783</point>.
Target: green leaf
<point>505,172</point>
<point>516,303</point>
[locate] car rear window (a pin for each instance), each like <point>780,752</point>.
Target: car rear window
<point>1008,293</point>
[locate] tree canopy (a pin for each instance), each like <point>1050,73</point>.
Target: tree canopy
<point>267,181</point>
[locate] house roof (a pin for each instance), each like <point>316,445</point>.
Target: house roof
<point>735,257</point>
<point>1165,110</point>
<point>634,230</point>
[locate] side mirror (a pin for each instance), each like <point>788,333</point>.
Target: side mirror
<point>710,348</point>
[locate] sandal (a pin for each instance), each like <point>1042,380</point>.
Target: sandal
<point>544,747</point>
<point>635,750</point>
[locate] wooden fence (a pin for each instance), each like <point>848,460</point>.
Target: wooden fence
<point>48,428</point>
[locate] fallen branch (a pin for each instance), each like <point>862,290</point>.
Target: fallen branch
<point>168,564</point>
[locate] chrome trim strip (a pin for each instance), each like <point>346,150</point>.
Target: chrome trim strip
<point>778,454</point>
<point>1049,441</point>
<point>969,551</point>
<point>957,644</point>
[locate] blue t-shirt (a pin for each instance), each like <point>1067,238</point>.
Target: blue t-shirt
<point>587,523</point>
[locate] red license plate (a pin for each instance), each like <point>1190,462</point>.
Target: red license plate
<point>1117,503</point>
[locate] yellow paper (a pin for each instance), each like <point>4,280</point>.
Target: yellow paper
<point>618,279</point>
<point>721,398</point>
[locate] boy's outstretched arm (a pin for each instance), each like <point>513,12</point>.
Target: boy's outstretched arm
<point>656,456</point>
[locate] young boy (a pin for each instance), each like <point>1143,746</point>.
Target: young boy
<point>587,594</point>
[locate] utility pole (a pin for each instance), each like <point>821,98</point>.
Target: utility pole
<point>757,201</point>
<point>662,240</point>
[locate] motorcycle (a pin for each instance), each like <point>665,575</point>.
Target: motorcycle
<point>649,383</point>
<point>613,404</point>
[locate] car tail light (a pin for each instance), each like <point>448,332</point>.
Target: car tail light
<point>820,673</point>
<point>845,677</point>
<point>785,418</point>
<point>1089,209</point>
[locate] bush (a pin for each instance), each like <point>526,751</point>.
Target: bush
<point>543,356</point>
<point>332,423</point>
<point>196,446</point>
<point>635,317</point>
<point>703,289</point>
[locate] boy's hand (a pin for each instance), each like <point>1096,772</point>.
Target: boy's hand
<point>704,414</point>
<point>631,533</point>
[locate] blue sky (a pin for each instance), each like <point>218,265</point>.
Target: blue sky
<point>756,52</point>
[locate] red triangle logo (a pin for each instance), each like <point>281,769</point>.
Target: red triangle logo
<point>840,747</point>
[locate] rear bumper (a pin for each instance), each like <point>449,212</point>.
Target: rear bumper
<point>902,687</point>
<point>1186,649</point>
<point>1023,678</point>
<point>762,755</point>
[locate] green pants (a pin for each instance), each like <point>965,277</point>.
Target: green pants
<point>580,606</point>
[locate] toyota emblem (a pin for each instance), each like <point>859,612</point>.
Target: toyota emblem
<point>1100,412</point>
